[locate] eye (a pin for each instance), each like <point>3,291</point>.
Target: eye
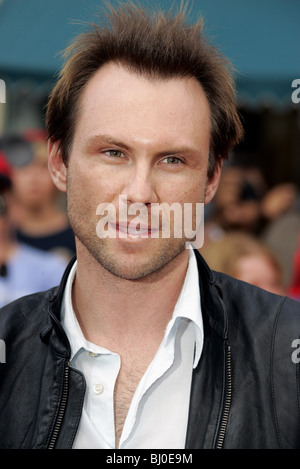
<point>172,160</point>
<point>115,153</point>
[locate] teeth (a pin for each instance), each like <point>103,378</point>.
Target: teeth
<point>134,231</point>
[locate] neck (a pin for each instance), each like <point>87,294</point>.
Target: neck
<point>112,311</point>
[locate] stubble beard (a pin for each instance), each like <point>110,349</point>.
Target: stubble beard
<point>155,262</point>
<point>130,268</point>
<point>125,266</point>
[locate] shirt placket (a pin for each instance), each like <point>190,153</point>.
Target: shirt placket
<point>104,372</point>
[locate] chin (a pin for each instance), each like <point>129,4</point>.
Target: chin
<point>140,264</point>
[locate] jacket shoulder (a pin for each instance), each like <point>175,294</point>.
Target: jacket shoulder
<point>253,301</point>
<point>29,311</point>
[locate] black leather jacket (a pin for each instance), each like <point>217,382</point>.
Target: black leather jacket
<point>245,390</point>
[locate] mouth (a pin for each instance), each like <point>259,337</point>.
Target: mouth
<point>134,230</point>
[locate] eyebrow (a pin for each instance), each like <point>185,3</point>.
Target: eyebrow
<point>104,140</point>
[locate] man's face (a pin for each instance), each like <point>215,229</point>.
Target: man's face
<point>146,140</point>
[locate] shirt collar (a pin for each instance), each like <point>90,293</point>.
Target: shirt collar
<point>70,322</point>
<point>188,306</point>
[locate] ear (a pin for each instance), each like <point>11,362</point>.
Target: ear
<point>213,184</point>
<point>57,167</point>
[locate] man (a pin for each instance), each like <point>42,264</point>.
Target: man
<point>142,346</point>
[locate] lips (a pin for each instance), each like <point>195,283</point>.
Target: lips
<point>134,230</point>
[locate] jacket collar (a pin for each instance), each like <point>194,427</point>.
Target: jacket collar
<point>212,305</point>
<point>54,331</point>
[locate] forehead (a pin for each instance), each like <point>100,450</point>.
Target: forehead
<point>116,98</point>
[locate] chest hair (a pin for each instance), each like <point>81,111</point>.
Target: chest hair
<point>126,384</point>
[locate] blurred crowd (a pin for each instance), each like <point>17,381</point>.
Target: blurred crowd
<point>36,241</point>
<point>252,232</point>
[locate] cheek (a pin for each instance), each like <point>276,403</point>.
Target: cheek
<point>192,190</point>
<point>186,187</point>
<point>87,188</point>
<point>81,207</point>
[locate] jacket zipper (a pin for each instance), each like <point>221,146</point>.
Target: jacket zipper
<point>227,401</point>
<point>62,408</point>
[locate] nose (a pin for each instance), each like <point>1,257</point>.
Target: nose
<point>140,185</point>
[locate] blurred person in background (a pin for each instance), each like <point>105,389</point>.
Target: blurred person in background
<point>244,203</point>
<point>23,269</point>
<point>294,286</point>
<point>40,216</point>
<point>244,257</point>
<point>237,203</point>
<point>281,233</point>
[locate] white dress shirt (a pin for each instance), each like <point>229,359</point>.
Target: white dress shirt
<point>158,413</point>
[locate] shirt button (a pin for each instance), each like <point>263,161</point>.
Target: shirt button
<point>98,388</point>
<point>92,354</point>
